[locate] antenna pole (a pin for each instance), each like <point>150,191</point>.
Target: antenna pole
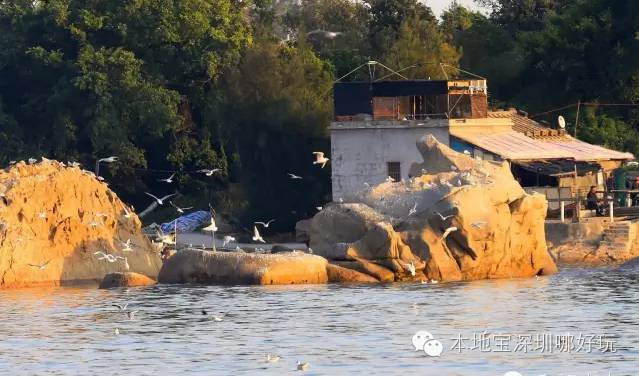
<point>577,117</point>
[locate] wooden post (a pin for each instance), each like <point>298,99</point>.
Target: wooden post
<point>612,215</point>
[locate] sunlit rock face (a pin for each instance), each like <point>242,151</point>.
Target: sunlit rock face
<point>458,218</point>
<point>54,218</point>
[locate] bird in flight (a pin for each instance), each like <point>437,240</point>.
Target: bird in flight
<point>265,224</point>
<point>448,231</point>
<point>121,307</point>
<point>256,235</point>
<point>169,179</point>
<point>294,177</point>
<point>107,256</point>
<point>320,158</point>
<point>413,210</point>
<point>40,266</point>
<point>442,217</point>
<point>478,224</point>
<point>325,33</point>
<point>160,201</point>
<point>208,172</point>
<point>227,240</point>
<point>212,227</point>
<point>179,209</point>
<point>108,159</point>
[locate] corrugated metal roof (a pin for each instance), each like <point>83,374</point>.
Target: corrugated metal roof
<point>513,145</point>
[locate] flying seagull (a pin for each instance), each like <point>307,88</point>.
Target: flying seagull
<point>169,179</point>
<point>413,210</point>
<point>325,33</point>
<point>208,172</point>
<point>121,307</point>
<point>179,209</point>
<point>108,159</point>
<point>212,227</point>
<point>294,177</point>
<point>256,235</point>
<point>265,224</point>
<point>160,201</point>
<point>40,266</point>
<point>442,217</point>
<point>227,240</point>
<point>320,158</point>
<point>478,224</point>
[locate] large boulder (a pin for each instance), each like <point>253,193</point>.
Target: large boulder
<point>126,279</point>
<point>54,218</point>
<point>458,219</point>
<point>338,274</point>
<point>229,268</point>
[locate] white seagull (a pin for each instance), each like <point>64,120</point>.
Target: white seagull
<point>40,266</point>
<point>442,217</point>
<point>294,177</point>
<point>127,213</point>
<point>169,179</point>
<point>32,160</point>
<point>448,231</point>
<point>320,158</point>
<point>179,209</point>
<point>302,366</point>
<point>411,268</point>
<point>42,215</point>
<point>325,33</point>
<point>256,235</point>
<point>390,180</point>
<point>108,159</point>
<point>160,201</point>
<point>265,224</point>
<point>121,307</point>
<point>218,318</point>
<point>126,246</point>
<point>271,358</point>
<point>479,224</point>
<point>212,227</point>
<point>131,314</point>
<point>413,210</point>
<point>227,240</point>
<point>208,172</point>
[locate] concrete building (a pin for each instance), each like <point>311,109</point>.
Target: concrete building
<point>378,123</point>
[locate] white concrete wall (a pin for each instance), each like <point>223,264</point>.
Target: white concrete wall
<point>360,154</point>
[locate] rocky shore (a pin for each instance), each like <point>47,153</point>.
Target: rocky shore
<point>457,219</point>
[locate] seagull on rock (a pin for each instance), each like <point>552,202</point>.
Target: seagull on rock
<point>411,268</point>
<point>228,240</point>
<point>126,246</point>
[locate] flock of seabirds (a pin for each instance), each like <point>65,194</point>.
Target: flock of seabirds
<point>170,239</point>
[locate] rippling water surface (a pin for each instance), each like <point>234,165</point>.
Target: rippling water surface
<point>339,330</point>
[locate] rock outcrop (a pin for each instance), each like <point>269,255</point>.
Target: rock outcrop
<point>458,219</point>
<point>230,268</point>
<point>54,218</point>
<point>127,279</point>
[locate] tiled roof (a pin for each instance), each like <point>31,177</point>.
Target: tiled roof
<point>527,126</point>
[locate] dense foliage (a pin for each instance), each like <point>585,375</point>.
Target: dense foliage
<point>170,85</point>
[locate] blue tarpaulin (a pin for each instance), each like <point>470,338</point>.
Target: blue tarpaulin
<point>188,222</point>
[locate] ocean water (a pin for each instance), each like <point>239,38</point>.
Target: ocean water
<point>578,322</point>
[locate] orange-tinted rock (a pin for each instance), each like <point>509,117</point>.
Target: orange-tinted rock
<point>338,274</point>
<point>364,266</point>
<point>462,219</point>
<point>127,279</point>
<point>206,267</point>
<point>60,216</point>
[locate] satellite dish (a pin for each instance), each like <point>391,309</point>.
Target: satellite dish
<point>562,122</point>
